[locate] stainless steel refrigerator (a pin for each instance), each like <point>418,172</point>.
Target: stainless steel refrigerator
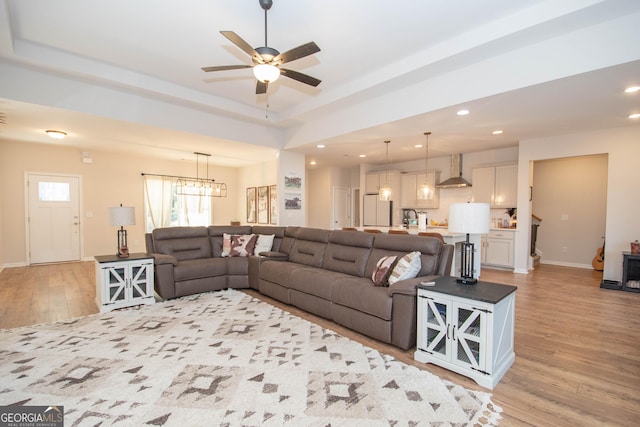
<point>376,212</point>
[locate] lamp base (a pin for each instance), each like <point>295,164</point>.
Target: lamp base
<point>467,281</point>
<point>123,250</point>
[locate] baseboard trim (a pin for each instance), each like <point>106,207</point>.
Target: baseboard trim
<point>13,264</point>
<point>566,264</point>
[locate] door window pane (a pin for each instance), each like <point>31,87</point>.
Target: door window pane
<point>53,191</point>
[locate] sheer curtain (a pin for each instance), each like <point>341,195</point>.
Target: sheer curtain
<point>166,208</point>
<point>159,192</point>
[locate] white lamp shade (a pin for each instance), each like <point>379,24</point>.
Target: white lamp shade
<point>122,215</point>
<point>469,218</point>
<point>266,73</point>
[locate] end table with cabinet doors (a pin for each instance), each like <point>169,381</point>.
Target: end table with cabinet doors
<point>124,282</point>
<point>467,329</point>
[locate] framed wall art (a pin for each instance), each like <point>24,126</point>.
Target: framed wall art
<point>251,204</point>
<point>263,205</point>
<point>273,204</point>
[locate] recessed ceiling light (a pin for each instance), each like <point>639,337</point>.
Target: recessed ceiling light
<point>417,146</point>
<point>56,134</point>
<point>312,162</point>
<point>632,89</point>
<point>634,116</point>
<point>496,132</point>
<point>320,145</point>
<point>462,112</point>
<point>363,155</point>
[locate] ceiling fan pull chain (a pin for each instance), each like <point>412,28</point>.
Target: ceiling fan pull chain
<point>266,110</point>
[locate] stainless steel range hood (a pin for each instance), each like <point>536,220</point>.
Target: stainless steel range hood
<point>456,180</point>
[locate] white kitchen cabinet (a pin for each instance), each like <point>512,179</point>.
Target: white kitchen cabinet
<point>375,180</point>
<point>496,185</point>
<point>124,282</point>
<point>468,329</point>
<point>497,248</point>
<point>410,184</point>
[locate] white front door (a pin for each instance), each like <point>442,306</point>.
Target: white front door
<point>53,218</point>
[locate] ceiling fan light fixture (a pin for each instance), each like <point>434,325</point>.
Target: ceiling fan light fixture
<point>266,73</point>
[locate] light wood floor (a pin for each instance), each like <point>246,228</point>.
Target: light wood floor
<point>577,346</point>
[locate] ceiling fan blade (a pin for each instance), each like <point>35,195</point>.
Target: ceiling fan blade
<point>303,78</point>
<point>225,67</point>
<point>246,47</point>
<point>297,53</point>
<point>261,87</point>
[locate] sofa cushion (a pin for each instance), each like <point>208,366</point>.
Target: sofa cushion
<point>348,252</point>
<point>237,265</point>
<point>407,267</point>
<point>200,268</point>
<point>314,281</point>
<point>360,294</point>
<point>278,271</point>
<point>309,247</point>
<point>184,243</point>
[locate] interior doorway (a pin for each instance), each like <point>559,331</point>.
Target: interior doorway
<point>570,196</point>
<point>53,218</point>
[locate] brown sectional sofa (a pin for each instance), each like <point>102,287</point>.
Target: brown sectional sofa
<point>325,272</point>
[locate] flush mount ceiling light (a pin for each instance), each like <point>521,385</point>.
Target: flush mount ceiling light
<point>462,112</point>
<point>632,89</point>
<point>496,132</point>
<point>634,116</point>
<point>385,190</point>
<point>56,134</point>
<point>425,192</point>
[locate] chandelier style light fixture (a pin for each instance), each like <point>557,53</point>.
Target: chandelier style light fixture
<point>425,192</point>
<point>385,190</point>
<point>201,186</point>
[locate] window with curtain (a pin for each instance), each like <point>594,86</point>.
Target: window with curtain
<point>164,207</point>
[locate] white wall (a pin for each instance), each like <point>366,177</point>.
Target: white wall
<point>623,196</point>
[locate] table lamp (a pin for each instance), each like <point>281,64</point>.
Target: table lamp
<point>468,218</point>
<point>121,216</point>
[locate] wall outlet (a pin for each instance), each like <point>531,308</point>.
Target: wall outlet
<point>564,217</point>
<point>564,249</point>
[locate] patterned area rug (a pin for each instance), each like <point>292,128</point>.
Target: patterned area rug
<point>224,359</point>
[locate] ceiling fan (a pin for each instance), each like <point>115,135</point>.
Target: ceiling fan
<point>267,60</point>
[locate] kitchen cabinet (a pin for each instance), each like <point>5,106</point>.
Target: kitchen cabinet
<point>124,282</point>
<point>496,185</point>
<point>468,329</point>
<point>411,182</point>
<point>497,248</point>
<point>375,180</point>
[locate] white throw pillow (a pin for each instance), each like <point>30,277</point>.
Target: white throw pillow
<point>264,243</point>
<point>407,267</point>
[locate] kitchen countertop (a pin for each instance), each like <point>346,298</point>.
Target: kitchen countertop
<point>436,229</point>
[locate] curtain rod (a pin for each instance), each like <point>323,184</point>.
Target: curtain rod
<point>176,176</point>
